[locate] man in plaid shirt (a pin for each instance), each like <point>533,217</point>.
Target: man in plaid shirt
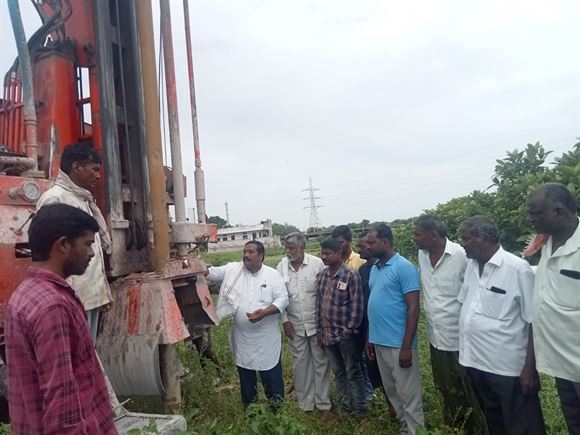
<point>55,382</point>
<point>339,314</point>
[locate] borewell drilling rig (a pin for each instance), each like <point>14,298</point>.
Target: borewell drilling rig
<point>89,74</point>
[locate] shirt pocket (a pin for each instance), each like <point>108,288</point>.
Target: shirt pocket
<point>339,297</point>
<point>266,296</point>
<point>567,289</point>
<point>493,301</point>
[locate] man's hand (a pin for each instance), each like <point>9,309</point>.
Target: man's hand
<point>405,358</point>
<point>289,329</point>
<point>370,349</point>
<point>529,380</point>
<point>256,316</point>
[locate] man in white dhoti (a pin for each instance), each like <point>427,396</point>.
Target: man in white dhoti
<point>256,295</point>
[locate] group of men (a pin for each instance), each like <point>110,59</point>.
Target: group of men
<point>492,323</point>
<point>349,313</point>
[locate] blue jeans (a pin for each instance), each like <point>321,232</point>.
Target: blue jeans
<point>345,362</point>
<point>271,380</point>
<point>366,379</point>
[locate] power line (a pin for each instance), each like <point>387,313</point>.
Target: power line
<point>311,198</point>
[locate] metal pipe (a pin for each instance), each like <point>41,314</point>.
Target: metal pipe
<point>198,175</point>
<point>173,117</point>
<point>25,161</point>
<point>153,135</point>
<point>26,76</point>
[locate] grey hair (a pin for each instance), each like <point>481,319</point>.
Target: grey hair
<point>481,226</point>
<point>558,195</point>
<point>432,223</point>
<point>298,238</point>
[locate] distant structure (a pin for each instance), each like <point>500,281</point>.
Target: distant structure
<point>234,238</point>
<point>227,214</point>
<point>311,198</point>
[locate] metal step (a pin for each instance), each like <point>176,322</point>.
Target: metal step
<point>164,424</point>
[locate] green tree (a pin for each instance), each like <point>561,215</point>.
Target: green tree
<point>283,229</point>
<point>515,177</point>
<point>568,170</point>
<point>220,222</point>
<point>458,209</point>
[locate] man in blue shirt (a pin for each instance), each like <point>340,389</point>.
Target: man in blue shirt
<point>393,312</point>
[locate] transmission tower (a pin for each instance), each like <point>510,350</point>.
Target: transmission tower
<point>311,198</point>
<point>227,214</point>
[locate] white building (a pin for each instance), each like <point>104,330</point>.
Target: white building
<point>234,238</point>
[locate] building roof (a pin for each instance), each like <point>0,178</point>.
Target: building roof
<point>244,229</point>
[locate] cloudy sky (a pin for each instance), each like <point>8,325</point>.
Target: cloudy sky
<point>390,107</point>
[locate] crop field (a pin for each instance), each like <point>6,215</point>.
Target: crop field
<point>213,406</point>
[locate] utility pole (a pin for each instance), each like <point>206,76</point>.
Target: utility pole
<point>311,198</point>
<point>227,214</point>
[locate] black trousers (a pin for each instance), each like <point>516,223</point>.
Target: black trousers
<point>507,410</point>
<point>272,381</point>
<point>569,393</point>
<point>461,408</point>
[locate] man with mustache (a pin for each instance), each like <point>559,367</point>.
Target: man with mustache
<point>309,361</point>
<point>393,312</point>
<point>553,211</point>
<point>80,167</point>
<point>442,265</point>
<point>256,295</point>
<point>495,331</point>
<point>55,381</point>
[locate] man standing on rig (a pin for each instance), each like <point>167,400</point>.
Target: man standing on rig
<point>80,167</point>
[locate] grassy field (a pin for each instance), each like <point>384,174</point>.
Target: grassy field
<point>213,406</point>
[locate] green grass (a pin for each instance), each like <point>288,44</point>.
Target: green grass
<point>213,410</point>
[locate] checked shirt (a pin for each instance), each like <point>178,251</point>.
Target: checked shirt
<point>55,382</point>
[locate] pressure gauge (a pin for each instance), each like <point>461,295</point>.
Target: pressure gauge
<point>30,191</point>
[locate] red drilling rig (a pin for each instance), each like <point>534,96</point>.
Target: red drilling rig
<point>89,74</point>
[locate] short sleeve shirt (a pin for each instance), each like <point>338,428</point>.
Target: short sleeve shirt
<point>557,310</point>
<point>496,314</point>
<point>387,308</point>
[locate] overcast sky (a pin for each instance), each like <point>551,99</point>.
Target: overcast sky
<point>391,107</point>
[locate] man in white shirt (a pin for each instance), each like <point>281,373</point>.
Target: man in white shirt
<point>552,210</point>
<point>495,331</point>
<point>442,265</point>
<point>256,295</point>
<point>309,361</point>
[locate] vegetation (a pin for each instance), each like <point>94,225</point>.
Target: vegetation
<point>284,229</point>
<point>515,176</point>
<point>219,221</point>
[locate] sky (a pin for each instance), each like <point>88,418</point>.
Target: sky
<point>389,107</point>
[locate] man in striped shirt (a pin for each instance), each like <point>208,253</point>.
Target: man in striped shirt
<point>339,314</point>
<point>442,264</point>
